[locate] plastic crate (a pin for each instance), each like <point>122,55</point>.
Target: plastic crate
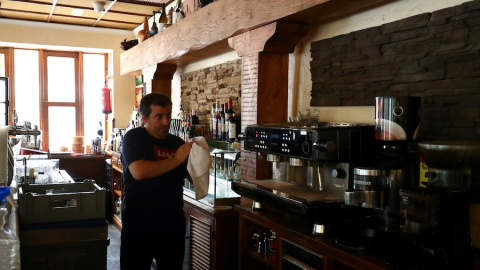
<point>60,202</point>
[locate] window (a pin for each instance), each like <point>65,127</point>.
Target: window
<point>60,93</point>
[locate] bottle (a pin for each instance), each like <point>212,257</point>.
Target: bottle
<point>175,13</point>
<point>222,123</point>
<point>195,123</point>
<point>225,123</point>
<point>9,243</point>
<point>163,18</point>
<point>214,122</point>
<point>180,13</point>
<point>211,123</point>
<point>229,112</point>
<point>232,128</point>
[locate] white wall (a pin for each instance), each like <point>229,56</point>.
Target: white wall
<point>94,39</point>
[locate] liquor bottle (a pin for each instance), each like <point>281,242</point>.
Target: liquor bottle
<point>195,122</point>
<point>229,113</point>
<point>214,122</point>
<point>225,124</point>
<point>162,21</point>
<point>232,128</point>
<point>221,123</point>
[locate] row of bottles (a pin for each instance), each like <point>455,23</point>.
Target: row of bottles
<point>174,15</point>
<point>186,126</point>
<point>135,120</point>
<point>116,141</point>
<point>224,123</point>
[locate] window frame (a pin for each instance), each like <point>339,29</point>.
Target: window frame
<point>44,104</point>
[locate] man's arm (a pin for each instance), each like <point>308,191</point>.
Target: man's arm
<point>146,169</point>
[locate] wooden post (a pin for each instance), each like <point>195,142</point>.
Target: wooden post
<point>162,79</point>
<point>264,53</point>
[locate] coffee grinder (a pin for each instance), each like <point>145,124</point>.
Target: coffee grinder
<point>374,193</point>
<point>449,174</point>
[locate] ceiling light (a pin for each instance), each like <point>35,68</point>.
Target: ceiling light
<point>77,12</point>
<point>98,6</point>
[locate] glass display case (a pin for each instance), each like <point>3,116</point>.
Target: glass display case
<point>225,168</point>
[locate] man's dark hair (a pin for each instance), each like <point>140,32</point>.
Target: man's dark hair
<point>153,99</point>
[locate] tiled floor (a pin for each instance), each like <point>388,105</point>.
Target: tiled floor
<point>113,250</point>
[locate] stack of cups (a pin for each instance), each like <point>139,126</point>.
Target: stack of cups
<point>77,145</point>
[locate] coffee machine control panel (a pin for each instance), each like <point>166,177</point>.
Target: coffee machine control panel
<point>287,142</point>
<point>331,143</point>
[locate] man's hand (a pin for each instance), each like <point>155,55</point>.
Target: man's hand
<point>183,152</point>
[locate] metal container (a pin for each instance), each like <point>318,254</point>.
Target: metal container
<point>396,118</point>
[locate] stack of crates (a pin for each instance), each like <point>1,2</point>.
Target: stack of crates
<point>63,226</point>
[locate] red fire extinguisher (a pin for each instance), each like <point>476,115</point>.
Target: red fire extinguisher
<point>106,99</point>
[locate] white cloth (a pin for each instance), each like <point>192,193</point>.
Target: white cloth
<point>199,165</point>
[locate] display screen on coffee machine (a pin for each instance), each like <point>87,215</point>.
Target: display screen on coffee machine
<point>286,142</point>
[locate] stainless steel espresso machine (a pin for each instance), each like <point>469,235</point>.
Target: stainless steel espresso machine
<point>317,167</point>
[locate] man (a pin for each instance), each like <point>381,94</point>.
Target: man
<point>154,169</point>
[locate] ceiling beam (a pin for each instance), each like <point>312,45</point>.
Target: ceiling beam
<point>51,10</point>
<point>85,8</point>
<point>104,12</point>
<point>157,3</point>
<point>67,16</point>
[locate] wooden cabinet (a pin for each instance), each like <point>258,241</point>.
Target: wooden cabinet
<point>291,239</point>
<point>211,236</point>
<point>117,187</point>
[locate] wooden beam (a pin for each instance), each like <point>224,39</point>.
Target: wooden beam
<point>51,10</point>
<point>85,8</point>
<point>277,37</point>
<point>211,24</point>
<point>223,19</point>
<point>162,79</point>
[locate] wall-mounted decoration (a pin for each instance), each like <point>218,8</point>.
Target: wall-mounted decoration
<point>138,80</point>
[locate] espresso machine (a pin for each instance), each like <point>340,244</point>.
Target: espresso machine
<point>312,168</point>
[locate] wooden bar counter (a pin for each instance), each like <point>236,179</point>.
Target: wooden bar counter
<point>298,231</point>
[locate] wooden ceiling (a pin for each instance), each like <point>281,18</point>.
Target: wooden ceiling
<point>117,14</point>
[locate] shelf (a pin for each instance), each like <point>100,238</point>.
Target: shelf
<point>118,192</point>
<point>261,259</point>
<point>115,167</point>
<point>205,33</point>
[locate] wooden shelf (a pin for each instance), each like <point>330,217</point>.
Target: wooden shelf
<point>261,259</point>
<point>115,167</point>
<point>118,192</point>
<point>205,33</point>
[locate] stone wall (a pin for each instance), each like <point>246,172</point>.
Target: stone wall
<point>433,55</point>
<point>201,88</point>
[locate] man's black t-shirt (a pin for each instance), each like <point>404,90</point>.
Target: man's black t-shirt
<point>155,202</point>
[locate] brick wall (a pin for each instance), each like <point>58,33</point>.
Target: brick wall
<point>433,55</point>
<point>201,88</point>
